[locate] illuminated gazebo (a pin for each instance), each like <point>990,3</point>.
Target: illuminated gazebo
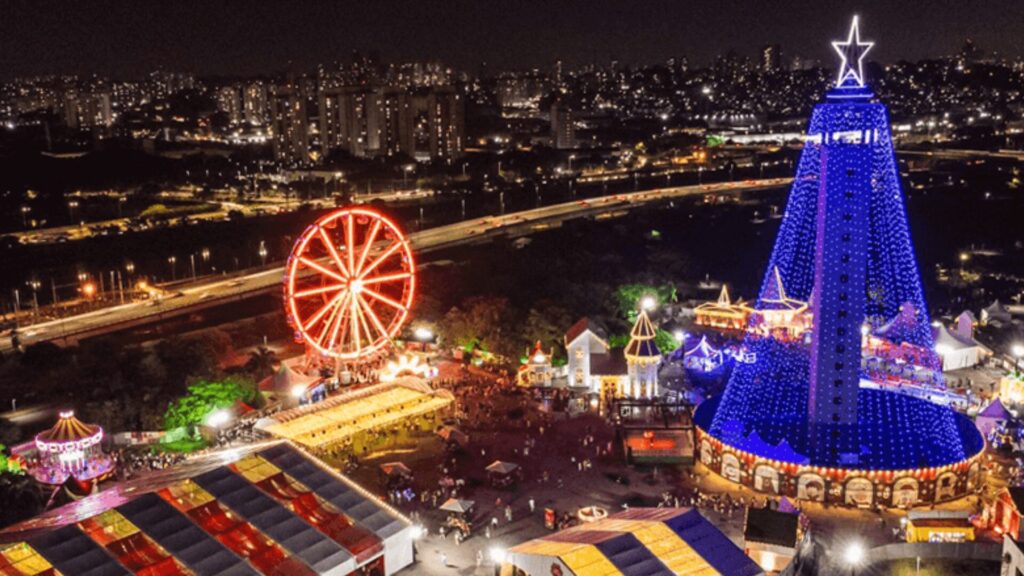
<point>723,313</point>
<point>778,315</point>
<point>71,449</point>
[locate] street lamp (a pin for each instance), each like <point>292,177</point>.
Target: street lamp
<point>263,252</point>
<point>648,303</point>
<point>72,204</point>
<point>853,556</point>
<point>24,215</point>
<point>1017,350</point>
<point>498,555</point>
<point>218,418</point>
<point>405,174</point>
<point>171,260</point>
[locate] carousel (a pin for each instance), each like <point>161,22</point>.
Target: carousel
<point>71,449</point>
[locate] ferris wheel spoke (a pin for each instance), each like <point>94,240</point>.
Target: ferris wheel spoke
<point>386,278</point>
<point>384,256</point>
<point>350,243</point>
<point>321,269</point>
<point>319,290</point>
<point>323,310</point>
<point>373,317</point>
<point>355,326</point>
<point>371,237</point>
<point>333,251</point>
<point>382,298</point>
<point>362,320</point>
<point>339,320</point>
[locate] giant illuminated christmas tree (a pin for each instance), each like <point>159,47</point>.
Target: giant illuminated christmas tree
<point>844,246</point>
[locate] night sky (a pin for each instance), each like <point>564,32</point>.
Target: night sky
<point>130,38</point>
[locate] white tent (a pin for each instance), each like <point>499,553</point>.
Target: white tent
<point>956,350</point>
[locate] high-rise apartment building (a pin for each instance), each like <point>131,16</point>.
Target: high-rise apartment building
<point>290,124</point>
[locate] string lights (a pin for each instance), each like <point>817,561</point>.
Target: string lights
<point>844,246</point>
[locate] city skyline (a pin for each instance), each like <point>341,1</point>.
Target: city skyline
<point>238,39</point>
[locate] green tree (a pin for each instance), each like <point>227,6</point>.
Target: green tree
<point>482,322</point>
<point>20,498</point>
<point>628,297</point>
<point>203,398</point>
<point>261,362</point>
<point>546,323</point>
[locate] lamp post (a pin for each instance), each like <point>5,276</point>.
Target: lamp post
<point>498,555</point>
<point>263,252</point>
<point>853,556</point>
<point>171,260</point>
<point>1017,350</point>
<point>24,215</point>
<point>72,204</point>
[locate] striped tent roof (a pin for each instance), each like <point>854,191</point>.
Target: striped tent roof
<point>638,541</point>
<point>69,429</point>
<point>268,508</point>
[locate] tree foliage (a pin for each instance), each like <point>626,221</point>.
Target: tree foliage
<point>205,397</point>
<point>628,296</point>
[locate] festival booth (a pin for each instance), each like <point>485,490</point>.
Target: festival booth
<point>361,415</point>
<point>770,537</point>
<point>1004,513</point>
<point>992,417</point>
<point>996,314</point>
<point>703,357</point>
<point>536,371</point>
<point>957,350</point>
<point>779,316</point>
<point>503,474</point>
<point>723,314</point>
<point>291,388</point>
<point>460,515</point>
<point>939,526</point>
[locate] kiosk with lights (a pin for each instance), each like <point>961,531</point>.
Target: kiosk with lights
<point>796,420</point>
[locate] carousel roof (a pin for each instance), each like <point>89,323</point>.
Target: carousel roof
<point>69,429</point>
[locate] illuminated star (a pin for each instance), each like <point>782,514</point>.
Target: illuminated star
<point>852,51</point>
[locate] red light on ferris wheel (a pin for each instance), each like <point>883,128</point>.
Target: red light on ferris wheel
<point>349,284</point>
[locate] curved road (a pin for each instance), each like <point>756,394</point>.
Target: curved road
<point>204,295</point>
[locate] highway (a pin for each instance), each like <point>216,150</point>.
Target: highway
<point>217,292</point>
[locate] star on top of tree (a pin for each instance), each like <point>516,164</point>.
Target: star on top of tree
<point>851,69</point>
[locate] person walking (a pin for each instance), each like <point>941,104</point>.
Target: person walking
<point>533,505</point>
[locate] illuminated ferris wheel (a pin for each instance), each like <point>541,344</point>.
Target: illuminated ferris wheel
<point>349,284</point>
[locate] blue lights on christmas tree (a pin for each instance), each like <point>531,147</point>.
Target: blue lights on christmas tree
<point>844,245</point>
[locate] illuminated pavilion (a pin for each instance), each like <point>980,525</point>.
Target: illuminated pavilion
<point>70,450</point>
<point>794,419</point>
